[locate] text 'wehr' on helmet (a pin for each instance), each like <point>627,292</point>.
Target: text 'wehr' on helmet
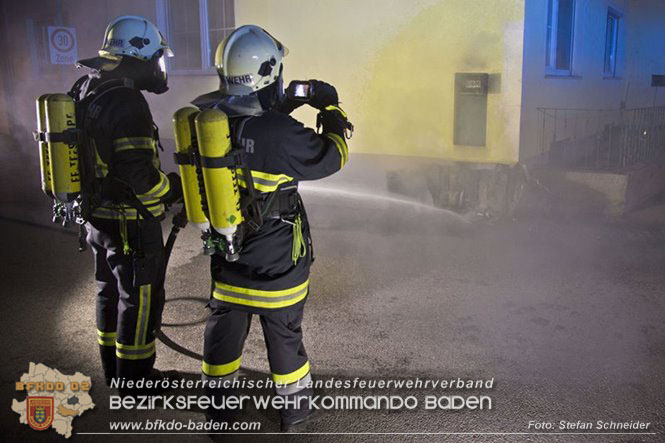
<point>133,36</point>
<point>133,48</point>
<point>248,60</point>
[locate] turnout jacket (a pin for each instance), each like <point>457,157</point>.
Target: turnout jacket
<point>280,152</point>
<point>124,138</point>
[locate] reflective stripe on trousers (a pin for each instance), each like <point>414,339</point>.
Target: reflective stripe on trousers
<point>225,334</point>
<point>260,298</point>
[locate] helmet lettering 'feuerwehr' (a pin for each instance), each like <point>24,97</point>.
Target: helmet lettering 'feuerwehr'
<point>248,60</point>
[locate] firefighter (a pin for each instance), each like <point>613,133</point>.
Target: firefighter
<point>123,226</point>
<point>270,276</point>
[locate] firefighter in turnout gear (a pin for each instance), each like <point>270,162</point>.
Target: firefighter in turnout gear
<point>123,228</point>
<point>270,274</point>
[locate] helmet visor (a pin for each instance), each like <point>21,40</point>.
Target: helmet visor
<point>161,64</point>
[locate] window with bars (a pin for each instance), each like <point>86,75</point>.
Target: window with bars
<point>194,28</point>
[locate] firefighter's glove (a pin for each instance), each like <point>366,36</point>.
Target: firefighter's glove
<point>334,120</point>
<point>323,94</point>
<point>175,192</point>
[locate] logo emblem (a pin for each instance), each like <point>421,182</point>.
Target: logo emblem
<point>40,412</point>
<point>116,42</point>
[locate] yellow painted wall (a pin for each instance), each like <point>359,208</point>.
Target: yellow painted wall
<point>393,63</point>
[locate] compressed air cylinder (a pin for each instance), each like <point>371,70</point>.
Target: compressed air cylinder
<point>44,167</point>
<point>183,128</point>
<point>222,195</point>
<point>63,157</point>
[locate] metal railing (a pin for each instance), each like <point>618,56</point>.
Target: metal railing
<point>602,138</point>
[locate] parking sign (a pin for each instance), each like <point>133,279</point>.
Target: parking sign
<point>62,45</point>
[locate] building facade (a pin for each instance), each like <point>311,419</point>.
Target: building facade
<point>472,82</point>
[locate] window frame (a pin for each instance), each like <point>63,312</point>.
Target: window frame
<point>618,16</point>
<point>551,47</point>
<point>207,68</point>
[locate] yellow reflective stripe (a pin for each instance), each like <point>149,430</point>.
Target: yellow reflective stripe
<point>159,190</point>
<point>131,143</point>
<point>101,168</point>
<point>129,213</point>
<point>147,201</point>
<point>292,377</point>
<point>106,338</point>
<point>261,292</point>
<point>134,352</point>
<point>150,204</point>
<point>246,301</point>
<point>338,109</point>
<point>220,370</point>
<point>263,181</point>
<point>341,147</point>
<point>143,316</point>
<point>260,298</point>
<point>129,348</point>
<point>134,357</point>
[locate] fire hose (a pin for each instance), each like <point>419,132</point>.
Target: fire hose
<point>179,221</point>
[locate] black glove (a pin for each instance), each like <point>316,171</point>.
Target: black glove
<point>322,95</point>
<point>175,193</point>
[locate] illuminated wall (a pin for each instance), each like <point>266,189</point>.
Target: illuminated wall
<point>640,54</point>
<point>394,61</point>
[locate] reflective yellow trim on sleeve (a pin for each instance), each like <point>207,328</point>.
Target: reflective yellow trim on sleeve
<point>147,201</point>
<point>220,370</point>
<point>341,147</point>
<point>131,143</point>
<point>159,190</point>
<point>260,298</point>
<point>263,181</point>
<point>292,377</point>
<point>106,338</point>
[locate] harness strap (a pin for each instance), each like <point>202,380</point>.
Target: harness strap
<point>87,112</point>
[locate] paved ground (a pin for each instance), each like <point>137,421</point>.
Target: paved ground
<point>566,317</point>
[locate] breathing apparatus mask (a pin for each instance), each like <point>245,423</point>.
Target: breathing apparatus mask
<point>272,95</point>
<point>149,75</point>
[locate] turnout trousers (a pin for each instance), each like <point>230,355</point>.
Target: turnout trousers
<point>225,334</point>
<point>129,270</point>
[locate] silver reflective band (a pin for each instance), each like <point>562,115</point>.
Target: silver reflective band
<point>219,380</point>
<point>295,387</point>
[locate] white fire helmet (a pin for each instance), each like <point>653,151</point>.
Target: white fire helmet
<point>134,36</point>
<point>247,60</point>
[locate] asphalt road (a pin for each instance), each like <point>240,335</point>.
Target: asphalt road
<point>565,316</point>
